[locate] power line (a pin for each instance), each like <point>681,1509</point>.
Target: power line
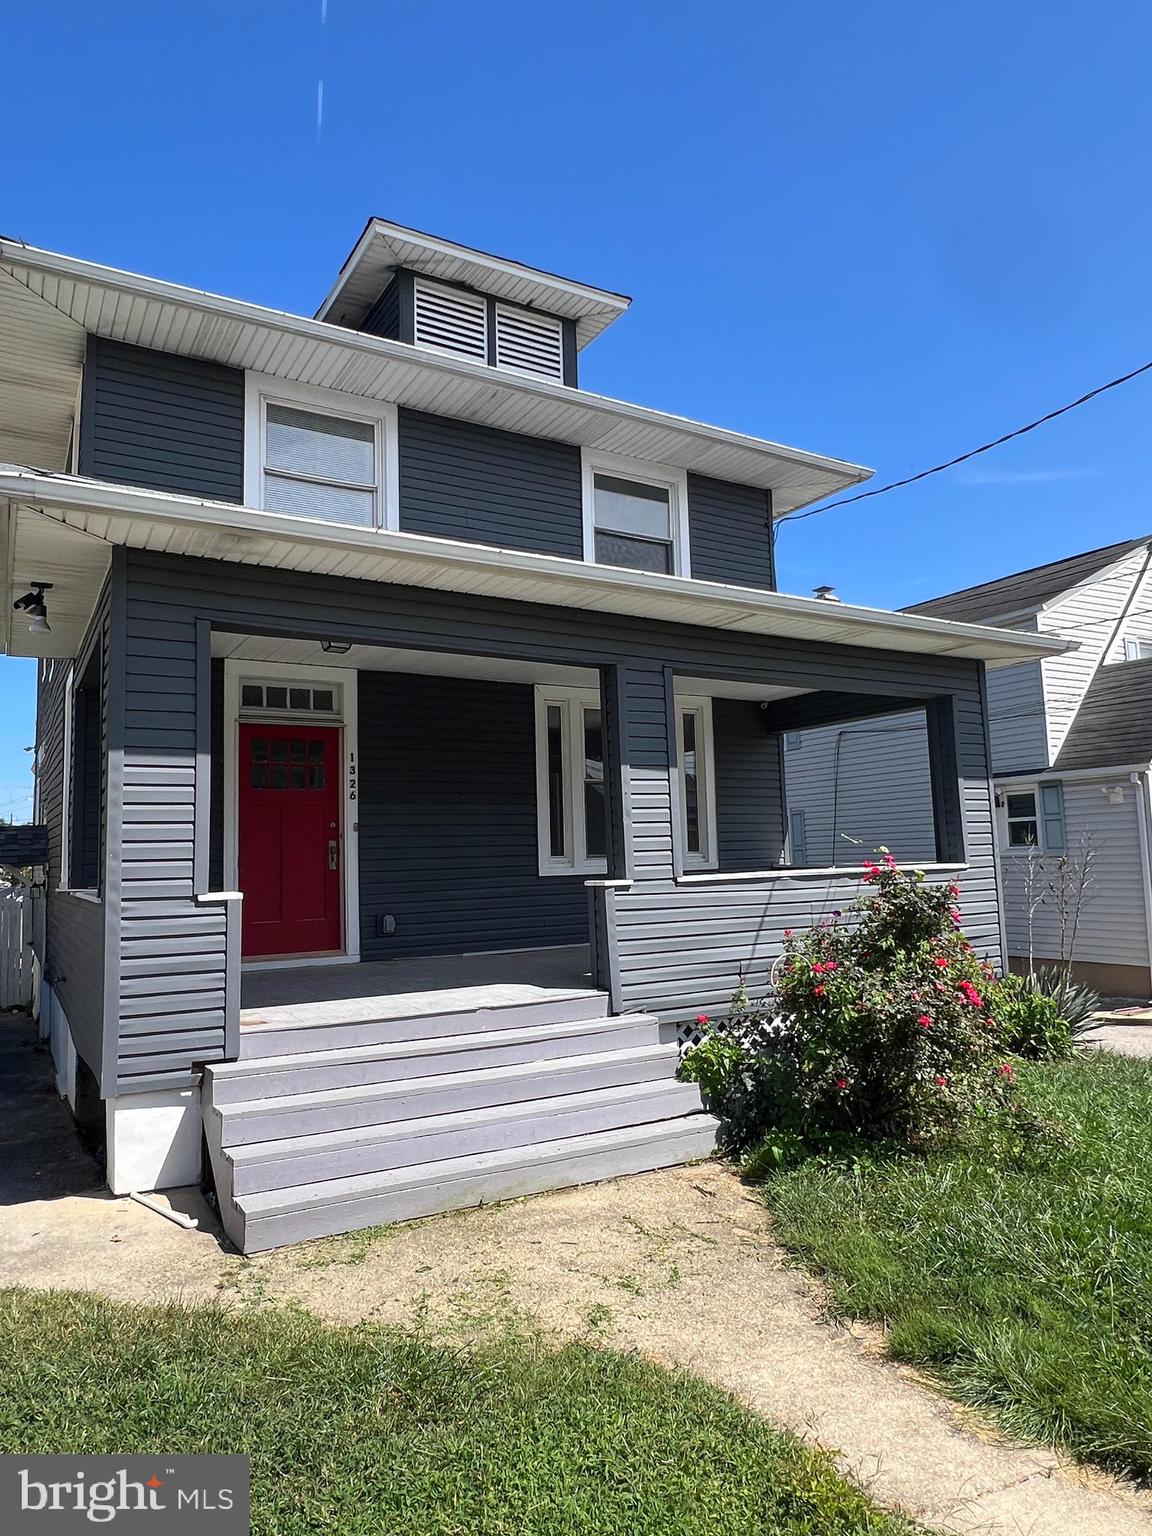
<point>972,453</point>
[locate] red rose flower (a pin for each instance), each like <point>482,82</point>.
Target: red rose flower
<point>941,962</point>
<point>819,991</point>
<point>1006,1069</point>
<point>841,1083</point>
<point>925,1021</point>
<point>702,1018</point>
<point>941,1082</point>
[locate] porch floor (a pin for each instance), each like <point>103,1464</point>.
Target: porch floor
<point>347,994</point>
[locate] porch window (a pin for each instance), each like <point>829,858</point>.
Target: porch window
<point>697,773</point>
<point>85,780</point>
<point>635,516</point>
<point>571,816</point>
<point>317,454</point>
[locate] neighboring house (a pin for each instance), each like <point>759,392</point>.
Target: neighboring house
<point>1071,752</point>
<point>409,729</point>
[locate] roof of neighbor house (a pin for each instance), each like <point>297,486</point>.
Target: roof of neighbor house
<point>1114,721</point>
<point>1024,590</point>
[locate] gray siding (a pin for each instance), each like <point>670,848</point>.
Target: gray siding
<point>730,533</point>
<point>448,821</point>
<point>1016,717</point>
<point>863,786</point>
<point>460,481</point>
<point>383,319</point>
<point>750,824</point>
<point>170,423</point>
<point>76,934</point>
<point>679,946</point>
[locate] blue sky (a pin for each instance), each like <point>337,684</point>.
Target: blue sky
<point>884,232</point>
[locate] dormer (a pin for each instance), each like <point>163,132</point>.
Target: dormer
<point>449,298</point>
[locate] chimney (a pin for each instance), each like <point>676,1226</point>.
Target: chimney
<point>825,594</point>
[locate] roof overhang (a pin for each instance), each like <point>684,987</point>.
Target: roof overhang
<point>383,247</point>
<point>147,312</point>
<point>99,515</point>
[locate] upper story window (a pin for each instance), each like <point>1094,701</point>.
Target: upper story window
<point>313,453</point>
<point>476,326</point>
<point>1137,650</point>
<point>635,515</point>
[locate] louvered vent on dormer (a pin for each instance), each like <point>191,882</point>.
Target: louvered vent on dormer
<point>529,343</point>
<point>452,320</point>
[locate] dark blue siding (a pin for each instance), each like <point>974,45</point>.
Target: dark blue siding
<point>383,319</point>
<point>448,821</point>
<point>749,787</point>
<point>730,533</point>
<point>169,423</point>
<point>461,481</point>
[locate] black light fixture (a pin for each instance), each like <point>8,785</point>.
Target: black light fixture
<point>336,647</point>
<point>32,604</point>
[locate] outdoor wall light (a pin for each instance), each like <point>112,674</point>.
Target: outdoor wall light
<point>33,605</point>
<point>336,647</point>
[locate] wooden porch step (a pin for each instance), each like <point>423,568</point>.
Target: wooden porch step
<point>274,1217</point>
<point>285,1076</point>
<point>284,1164</point>
<point>240,1123</point>
<point>282,1031</point>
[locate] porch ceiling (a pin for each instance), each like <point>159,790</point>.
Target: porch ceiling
<point>123,515</point>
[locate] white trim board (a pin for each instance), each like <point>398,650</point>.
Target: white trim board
<point>348,725</point>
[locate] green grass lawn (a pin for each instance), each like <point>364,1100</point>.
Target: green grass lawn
<point>1025,1285</point>
<point>363,1430</point>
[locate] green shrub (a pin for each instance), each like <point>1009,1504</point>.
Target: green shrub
<point>1030,1020</point>
<point>1076,1002</point>
<point>878,1030</point>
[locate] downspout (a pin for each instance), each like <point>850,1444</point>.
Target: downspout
<point>1143,784</point>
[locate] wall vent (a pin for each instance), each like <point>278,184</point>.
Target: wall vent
<point>529,343</point>
<point>452,320</point>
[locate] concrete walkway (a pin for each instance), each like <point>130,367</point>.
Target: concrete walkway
<point>679,1265</point>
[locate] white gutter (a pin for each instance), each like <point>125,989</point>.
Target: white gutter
<point>1075,774</point>
<point>570,583</point>
<point>133,285</point>
<point>1143,785</point>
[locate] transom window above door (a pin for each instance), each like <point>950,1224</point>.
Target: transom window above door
<point>635,515</point>
<point>317,454</point>
<point>290,698</point>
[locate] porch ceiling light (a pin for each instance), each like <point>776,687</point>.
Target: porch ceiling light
<point>34,606</point>
<point>336,647</point>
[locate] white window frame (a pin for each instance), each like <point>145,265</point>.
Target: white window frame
<point>346,724</point>
<point>1020,850</point>
<point>262,390</point>
<point>667,477</point>
<point>1137,648</point>
<point>572,702</point>
<point>699,706</point>
<point>64,882</point>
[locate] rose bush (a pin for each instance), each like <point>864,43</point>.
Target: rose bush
<point>878,1029</point>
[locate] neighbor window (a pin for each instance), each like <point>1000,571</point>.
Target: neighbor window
<point>1033,818</point>
<point>635,516</point>
<point>571,814</point>
<point>697,819</point>
<point>1137,650</point>
<point>312,453</point>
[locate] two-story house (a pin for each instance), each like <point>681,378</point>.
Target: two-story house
<point>409,731</point>
<point>1071,739</point>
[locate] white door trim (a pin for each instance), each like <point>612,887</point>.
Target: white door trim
<point>234,669</point>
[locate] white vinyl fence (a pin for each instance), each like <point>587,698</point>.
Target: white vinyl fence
<point>15,946</point>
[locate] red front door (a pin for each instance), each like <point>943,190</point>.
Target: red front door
<point>289,840</point>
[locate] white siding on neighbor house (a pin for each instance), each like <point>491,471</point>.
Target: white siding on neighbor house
<point>875,791</point>
<point>1112,926</point>
<point>1091,615</point>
